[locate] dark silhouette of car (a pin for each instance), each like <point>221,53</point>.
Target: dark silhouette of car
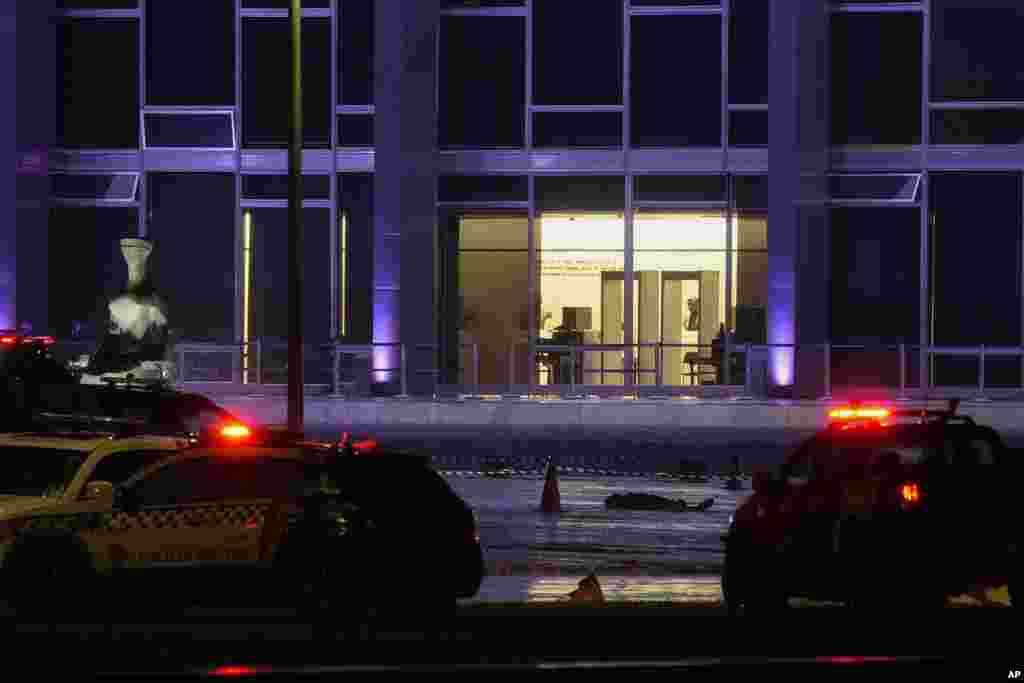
<point>891,509</point>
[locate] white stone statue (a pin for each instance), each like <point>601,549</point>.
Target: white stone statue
<point>136,341</point>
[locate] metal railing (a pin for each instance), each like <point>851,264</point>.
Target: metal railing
<point>634,369</point>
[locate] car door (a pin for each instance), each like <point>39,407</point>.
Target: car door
<point>977,505</point>
<point>203,513</point>
<point>811,514</point>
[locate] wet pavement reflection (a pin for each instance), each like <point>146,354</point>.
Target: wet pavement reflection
<point>638,555</point>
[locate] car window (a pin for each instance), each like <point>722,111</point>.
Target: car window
<point>974,450</point>
<point>38,471</point>
<point>201,480</point>
<point>119,467</point>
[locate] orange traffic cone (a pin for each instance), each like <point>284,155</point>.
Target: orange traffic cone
<point>589,591</point>
<point>551,499</point>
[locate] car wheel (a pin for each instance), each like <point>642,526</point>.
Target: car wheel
<point>752,594</point>
<point>49,577</point>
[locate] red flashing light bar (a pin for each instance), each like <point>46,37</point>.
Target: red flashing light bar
<point>235,431</point>
<point>859,413</point>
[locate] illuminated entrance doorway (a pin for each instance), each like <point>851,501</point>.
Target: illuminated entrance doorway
<point>514,307</point>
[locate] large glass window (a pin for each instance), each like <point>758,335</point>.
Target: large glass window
<point>208,58</point>
<point>876,92</point>
<point>492,288</point>
<point>86,268</point>
<point>266,294</point>
<point>482,81</point>
<point>971,58</point>
<point>268,309</point>
<point>748,319</point>
<point>679,293</point>
<point>355,245</point>
<point>976,273</point>
<point>577,52</point>
<point>579,234</point>
<point>582,296</point>
<point>876,290</point>
<point>266,82</point>
<point>98,67</point>
<point>671,112</point>
<point>192,226</point>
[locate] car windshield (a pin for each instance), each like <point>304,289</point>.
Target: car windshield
<point>37,471</point>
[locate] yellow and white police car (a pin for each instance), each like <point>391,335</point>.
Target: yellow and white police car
<point>82,512</point>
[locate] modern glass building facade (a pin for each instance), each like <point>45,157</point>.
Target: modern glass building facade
<point>494,178</point>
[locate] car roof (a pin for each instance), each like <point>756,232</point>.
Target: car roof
<point>79,441</point>
<point>88,441</point>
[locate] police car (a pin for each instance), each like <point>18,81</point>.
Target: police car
<point>883,508</point>
<point>236,510</point>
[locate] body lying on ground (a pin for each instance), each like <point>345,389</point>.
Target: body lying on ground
<point>649,501</point>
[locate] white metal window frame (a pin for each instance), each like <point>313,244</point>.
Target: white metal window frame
<point>912,200</point>
<point>96,201</point>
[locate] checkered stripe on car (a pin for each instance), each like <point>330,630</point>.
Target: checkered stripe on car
<point>236,515</point>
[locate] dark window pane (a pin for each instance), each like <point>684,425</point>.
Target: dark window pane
<point>211,131</point>
<point>482,188</point>
<point>971,54</point>
<point>284,4</point>
<point>192,226</point>
<point>590,129</point>
<point>675,3</point>
<point>98,4</point>
<point>671,115</point>
<point>751,192</point>
<point>875,290</point>
<point>355,130</point>
<point>103,186</point>
<point>748,129</point>
<point>276,187</point>
<point>583,193</point>
<point>86,268</point>
<point>208,59</point>
<point>748,59</point>
<point>482,81</point>
<point>270,275</point>
<point>675,188</point>
<point>355,51</point>
<point>882,186</point>
<point>876,93</point>
<point>266,83</point>
<point>577,52</point>
<point>98,65</point>
<point>976,270</point>
<point>355,205</point>
<point>483,3</point>
<point>993,127</point>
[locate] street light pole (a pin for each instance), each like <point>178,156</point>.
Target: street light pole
<point>295,360</point>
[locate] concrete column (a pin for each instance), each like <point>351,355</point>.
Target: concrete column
<point>405,221</point>
<point>798,161</point>
<point>8,179</point>
<point>27,75</point>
